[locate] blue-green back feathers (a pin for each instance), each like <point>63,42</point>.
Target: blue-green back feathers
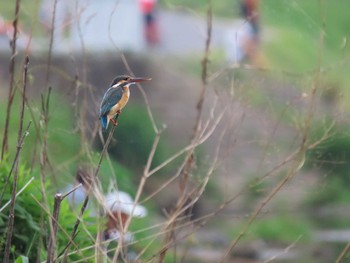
<point>110,99</point>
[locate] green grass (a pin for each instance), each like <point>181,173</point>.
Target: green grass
<point>63,144</point>
<point>275,228</point>
<point>295,44</point>
<point>299,26</point>
<point>281,229</point>
<point>292,31</point>
<point>65,155</point>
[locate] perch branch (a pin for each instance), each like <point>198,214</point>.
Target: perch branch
<point>83,208</point>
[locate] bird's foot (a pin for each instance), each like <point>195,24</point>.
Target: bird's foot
<point>119,111</point>
<point>115,123</point>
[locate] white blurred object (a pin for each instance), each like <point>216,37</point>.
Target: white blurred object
<point>77,197</point>
<point>234,40</point>
<point>107,25</point>
<point>62,17</point>
<point>114,235</point>
<point>118,201</point>
<point>6,33</point>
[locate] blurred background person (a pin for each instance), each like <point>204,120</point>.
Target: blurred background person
<point>151,32</point>
<point>243,40</point>
<point>250,13</point>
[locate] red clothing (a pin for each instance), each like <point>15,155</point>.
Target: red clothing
<point>114,221</point>
<point>147,6</point>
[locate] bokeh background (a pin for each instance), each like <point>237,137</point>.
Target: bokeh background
<point>273,173</point>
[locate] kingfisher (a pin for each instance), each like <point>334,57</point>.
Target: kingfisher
<point>116,97</point>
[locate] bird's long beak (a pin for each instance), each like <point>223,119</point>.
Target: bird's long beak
<point>135,80</point>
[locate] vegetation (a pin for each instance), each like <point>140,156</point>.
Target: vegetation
<point>246,119</point>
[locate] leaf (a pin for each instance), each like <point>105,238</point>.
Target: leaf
<point>22,259</point>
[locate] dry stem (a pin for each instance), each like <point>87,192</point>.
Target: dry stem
<point>83,208</point>
<point>15,165</point>
<point>12,90</point>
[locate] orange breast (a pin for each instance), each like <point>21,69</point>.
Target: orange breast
<point>125,98</point>
<point>121,104</point>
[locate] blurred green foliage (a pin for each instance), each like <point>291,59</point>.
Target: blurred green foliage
<point>22,259</point>
<point>27,230</point>
<point>62,143</point>
<point>64,152</point>
<point>298,36</point>
<point>31,227</point>
<point>133,140</point>
<point>281,228</point>
<point>293,42</point>
<point>331,159</point>
<point>332,156</point>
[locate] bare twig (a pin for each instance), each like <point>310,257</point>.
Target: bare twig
<point>12,89</point>
<point>47,211</point>
<point>45,103</point>
<point>71,191</point>
<point>13,198</point>
<point>18,193</point>
<point>189,162</point>
<point>51,248</point>
<point>285,251</point>
<point>343,253</point>
<point>48,65</point>
<point>16,162</point>
<point>298,157</point>
<point>83,208</point>
<point>269,197</point>
<point>139,190</point>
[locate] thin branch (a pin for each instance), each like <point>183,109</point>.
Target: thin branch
<point>45,102</point>
<point>47,211</point>
<point>13,198</point>
<point>269,197</point>
<point>343,253</point>
<point>15,165</point>
<point>189,162</point>
<point>51,248</point>
<point>48,65</point>
<point>141,186</point>
<point>12,89</point>
<point>71,191</point>
<point>18,193</point>
<point>83,208</point>
<point>285,251</point>
<point>67,246</point>
<point>298,156</point>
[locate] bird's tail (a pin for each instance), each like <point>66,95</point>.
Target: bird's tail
<point>104,122</point>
